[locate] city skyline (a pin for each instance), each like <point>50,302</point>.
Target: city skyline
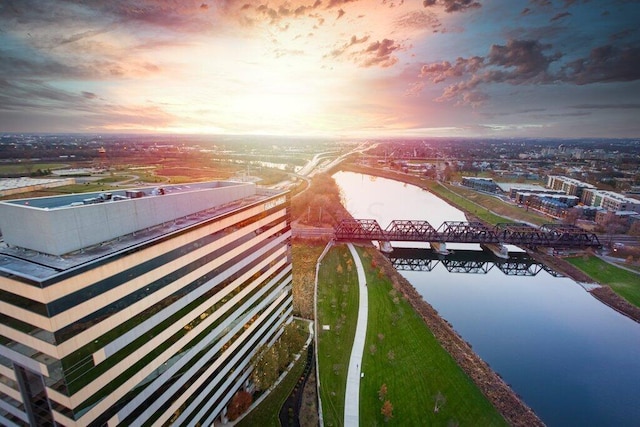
<point>322,68</point>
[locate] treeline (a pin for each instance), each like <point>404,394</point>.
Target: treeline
<point>320,205</point>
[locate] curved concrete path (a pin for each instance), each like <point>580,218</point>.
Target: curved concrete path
<point>352,394</point>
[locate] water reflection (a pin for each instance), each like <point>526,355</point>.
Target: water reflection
<point>574,360</point>
<point>467,261</point>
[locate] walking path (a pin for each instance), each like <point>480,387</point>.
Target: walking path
<point>352,394</point>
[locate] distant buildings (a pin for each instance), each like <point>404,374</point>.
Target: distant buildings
<point>10,186</point>
<point>569,186</point>
<point>603,204</point>
<point>138,310</point>
<point>482,184</point>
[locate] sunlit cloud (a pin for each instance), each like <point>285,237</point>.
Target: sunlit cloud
<point>332,67</point>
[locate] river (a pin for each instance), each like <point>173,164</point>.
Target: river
<point>573,360</point>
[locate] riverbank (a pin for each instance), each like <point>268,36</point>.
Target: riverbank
<point>501,396</point>
<point>603,293</point>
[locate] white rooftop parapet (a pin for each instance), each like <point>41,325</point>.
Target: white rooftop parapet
<point>54,226</point>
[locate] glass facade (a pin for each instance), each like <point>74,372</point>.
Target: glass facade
<point>166,339</point>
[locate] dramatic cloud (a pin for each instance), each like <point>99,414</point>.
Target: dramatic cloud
<point>606,106</point>
<point>525,59</point>
<point>517,62</point>
<point>379,53</point>
<point>419,20</point>
<point>317,66</point>
<point>605,64</point>
<point>559,16</point>
<point>453,5</point>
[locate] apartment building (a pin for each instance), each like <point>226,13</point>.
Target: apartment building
<point>569,186</point>
<point>138,307</point>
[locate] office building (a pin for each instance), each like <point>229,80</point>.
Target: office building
<point>138,307</point>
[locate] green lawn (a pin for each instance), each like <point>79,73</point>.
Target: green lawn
<point>402,353</point>
<point>28,167</point>
<point>337,308</point>
<point>623,282</point>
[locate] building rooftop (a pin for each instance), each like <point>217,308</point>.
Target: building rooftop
<point>44,237</point>
<point>618,196</point>
<point>14,183</point>
<point>507,186</point>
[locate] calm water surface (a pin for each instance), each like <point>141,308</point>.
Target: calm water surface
<point>575,361</point>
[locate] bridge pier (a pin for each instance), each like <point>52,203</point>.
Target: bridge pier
<point>439,247</point>
<point>498,250</point>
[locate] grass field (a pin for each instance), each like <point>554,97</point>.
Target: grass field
<point>337,308</point>
<point>402,353</point>
<point>623,282</point>
<point>27,168</point>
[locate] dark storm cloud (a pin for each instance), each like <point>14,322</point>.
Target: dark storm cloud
<point>40,66</point>
<point>529,62</point>
<point>606,63</point>
<point>517,62</point>
<point>89,95</point>
<point>453,5</point>
<point>606,106</point>
<point>525,59</point>
<point>560,16</point>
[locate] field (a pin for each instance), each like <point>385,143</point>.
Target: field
<point>338,310</point>
<point>28,167</point>
<point>400,352</point>
<point>623,282</point>
<point>419,374</point>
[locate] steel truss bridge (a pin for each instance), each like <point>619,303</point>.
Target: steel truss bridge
<point>467,261</point>
<point>557,236</point>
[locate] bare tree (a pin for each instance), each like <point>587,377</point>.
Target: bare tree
<point>382,393</point>
<point>387,410</point>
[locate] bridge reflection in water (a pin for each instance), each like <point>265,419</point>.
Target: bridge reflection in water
<point>467,261</point>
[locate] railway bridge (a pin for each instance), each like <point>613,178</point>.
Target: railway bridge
<point>558,236</point>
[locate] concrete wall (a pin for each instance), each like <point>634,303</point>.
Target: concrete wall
<point>67,229</point>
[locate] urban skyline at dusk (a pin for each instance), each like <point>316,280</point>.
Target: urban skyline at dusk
<point>537,68</point>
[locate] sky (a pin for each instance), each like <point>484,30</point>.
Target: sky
<point>339,68</point>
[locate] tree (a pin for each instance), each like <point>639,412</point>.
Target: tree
<point>572,216</point>
<point>387,410</point>
<point>382,393</point>
<point>240,402</point>
<point>265,367</point>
